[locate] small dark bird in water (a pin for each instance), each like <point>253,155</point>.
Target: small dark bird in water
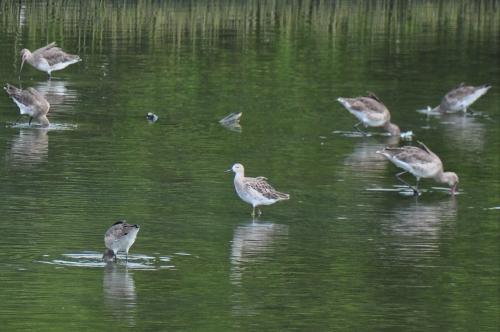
<point>152,117</point>
<point>119,237</point>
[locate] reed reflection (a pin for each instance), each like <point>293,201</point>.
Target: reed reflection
<point>29,147</point>
<point>119,293</point>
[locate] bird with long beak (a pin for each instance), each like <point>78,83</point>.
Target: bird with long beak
<point>48,58</point>
<point>422,163</point>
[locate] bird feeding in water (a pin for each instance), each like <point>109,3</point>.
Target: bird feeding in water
<point>422,163</point>
<point>119,237</point>
<point>31,103</point>
<point>48,58</point>
<point>460,98</point>
<point>255,191</point>
<point>371,112</point>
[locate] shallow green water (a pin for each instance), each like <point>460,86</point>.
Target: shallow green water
<point>345,253</point>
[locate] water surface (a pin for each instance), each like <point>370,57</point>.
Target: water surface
<point>347,252</point>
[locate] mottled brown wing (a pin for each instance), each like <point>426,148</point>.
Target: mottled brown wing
<point>24,97</point>
<point>264,188</point>
<point>36,98</point>
<point>43,49</point>
<point>56,55</point>
<point>460,92</point>
<point>410,154</point>
<point>114,233</point>
<point>362,104</point>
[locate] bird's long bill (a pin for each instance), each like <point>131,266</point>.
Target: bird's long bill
<point>228,170</point>
<point>22,64</point>
<point>453,189</point>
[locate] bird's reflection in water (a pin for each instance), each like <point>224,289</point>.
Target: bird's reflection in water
<point>57,94</point>
<point>416,229</point>
<point>252,243</point>
<point>465,132</point>
<point>364,161</point>
<point>119,293</point>
<point>29,147</point>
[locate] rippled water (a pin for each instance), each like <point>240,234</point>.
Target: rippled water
<point>351,250</point>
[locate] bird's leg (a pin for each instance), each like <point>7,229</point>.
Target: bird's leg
<point>31,118</point>
<point>20,116</point>
<point>50,76</point>
<point>359,130</point>
<point>126,257</point>
<point>253,212</point>
<point>415,191</point>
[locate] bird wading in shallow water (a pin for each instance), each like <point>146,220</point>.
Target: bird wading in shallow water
<point>119,237</point>
<point>460,98</point>
<point>371,112</point>
<point>48,58</point>
<point>31,103</point>
<point>422,163</point>
<point>255,191</point>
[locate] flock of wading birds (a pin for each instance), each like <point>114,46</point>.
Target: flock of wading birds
<point>369,110</point>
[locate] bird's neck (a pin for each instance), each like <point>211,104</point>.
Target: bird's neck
<point>392,128</point>
<point>43,121</point>
<point>441,177</point>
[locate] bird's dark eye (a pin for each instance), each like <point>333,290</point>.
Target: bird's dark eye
<point>125,234</point>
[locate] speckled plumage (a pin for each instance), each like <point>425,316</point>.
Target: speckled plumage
<point>371,112</point>
<point>48,58</point>
<point>30,102</point>
<point>120,237</point>
<point>255,191</point>
<point>421,162</point>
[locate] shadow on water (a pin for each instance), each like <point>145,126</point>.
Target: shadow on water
<point>119,293</point>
